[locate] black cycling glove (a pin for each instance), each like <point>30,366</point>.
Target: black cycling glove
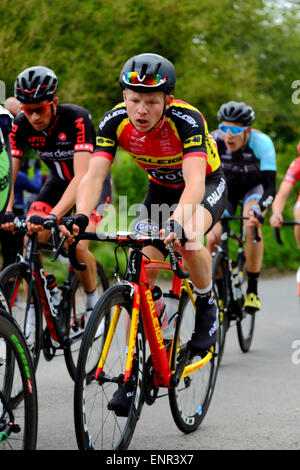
<point>79,219</point>
<point>39,220</point>
<point>174,226</point>
<point>7,217</point>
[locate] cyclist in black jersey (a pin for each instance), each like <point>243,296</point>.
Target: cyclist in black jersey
<point>63,136</point>
<point>249,163</point>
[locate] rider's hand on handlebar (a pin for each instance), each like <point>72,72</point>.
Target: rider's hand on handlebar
<point>256,218</point>
<point>173,232</point>
<point>73,225</point>
<point>7,221</point>
<point>36,223</point>
<point>276,220</point>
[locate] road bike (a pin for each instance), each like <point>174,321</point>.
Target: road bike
<point>289,223</point>
<point>229,284</point>
<point>18,411</point>
<point>57,327</point>
<point>139,357</point>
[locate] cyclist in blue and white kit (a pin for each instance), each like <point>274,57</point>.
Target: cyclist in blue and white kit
<point>249,162</point>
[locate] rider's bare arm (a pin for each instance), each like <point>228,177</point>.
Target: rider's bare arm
<point>80,164</point>
<point>279,203</point>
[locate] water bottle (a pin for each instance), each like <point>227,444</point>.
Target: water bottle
<point>166,309</point>
<point>171,311</point>
<point>236,281</point>
<point>53,289</point>
<point>160,306</point>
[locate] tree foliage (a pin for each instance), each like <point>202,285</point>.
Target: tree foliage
<point>229,49</point>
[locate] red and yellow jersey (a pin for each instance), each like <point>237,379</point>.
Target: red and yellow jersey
<point>293,172</point>
<point>181,134</point>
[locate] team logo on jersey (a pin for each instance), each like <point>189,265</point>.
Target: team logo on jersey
<point>166,175</point>
<point>62,136</point>
<point>103,142</point>
<point>193,141</point>
<point>147,228</point>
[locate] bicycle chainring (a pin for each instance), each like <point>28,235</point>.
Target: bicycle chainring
<point>48,349</point>
<point>150,390</point>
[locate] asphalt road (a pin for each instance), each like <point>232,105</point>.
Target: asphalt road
<point>256,404</point>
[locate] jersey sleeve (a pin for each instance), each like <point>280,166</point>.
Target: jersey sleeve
<point>191,127</point>
<point>108,131</point>
<point>84,132</point>
<point>293,172</point>
<point>264,150</point>
<point>18,143</point>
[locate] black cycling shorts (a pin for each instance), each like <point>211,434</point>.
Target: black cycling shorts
<point>161,201</point>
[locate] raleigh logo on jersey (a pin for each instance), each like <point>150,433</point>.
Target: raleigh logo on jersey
<point>217,194</point>
<point>185,117</point>
<point>110,116</point>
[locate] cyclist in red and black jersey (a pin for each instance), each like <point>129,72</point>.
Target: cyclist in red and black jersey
<point>169,139</point>
<point>63,136</point>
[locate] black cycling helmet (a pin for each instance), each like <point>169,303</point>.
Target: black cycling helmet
<point>152,73</point>
<point>234,111</point>
<point>36,84</point>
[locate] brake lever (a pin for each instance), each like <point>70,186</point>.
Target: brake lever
<point>182,274</point>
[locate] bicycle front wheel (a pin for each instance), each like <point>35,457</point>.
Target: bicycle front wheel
<point>190,399</point>
<point>98,427</point>
<point>18,425</point>
<point>76,318</point>
<point>21,291</point>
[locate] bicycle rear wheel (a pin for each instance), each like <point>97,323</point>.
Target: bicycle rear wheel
<point>220,291</point>
<point>18,424</point>
<point>190,399</point>
<point>96,426</point>
<point>76,317</point>
<point>16,281</point>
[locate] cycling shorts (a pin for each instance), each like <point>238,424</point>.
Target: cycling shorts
<point>160,203</point>
<point>53,190</point>
<point>254,194</point>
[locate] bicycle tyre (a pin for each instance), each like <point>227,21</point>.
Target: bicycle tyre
<point>190,399</point>
<point>16,293</point>
<point>96,426</point>
<point>27,411</point>
<point>245,329</point>
<point>222,296</point>
<point>71,350</point>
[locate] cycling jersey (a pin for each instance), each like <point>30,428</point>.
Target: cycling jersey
<point>293,172</point>
<point>182,133</point>
<point>71,131</point>
<point>250,166</point>
<point>5,158</point>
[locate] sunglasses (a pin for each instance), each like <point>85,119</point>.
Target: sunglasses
<point>234,130</point>
<point>39,109</point>
<point>149,79</point>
